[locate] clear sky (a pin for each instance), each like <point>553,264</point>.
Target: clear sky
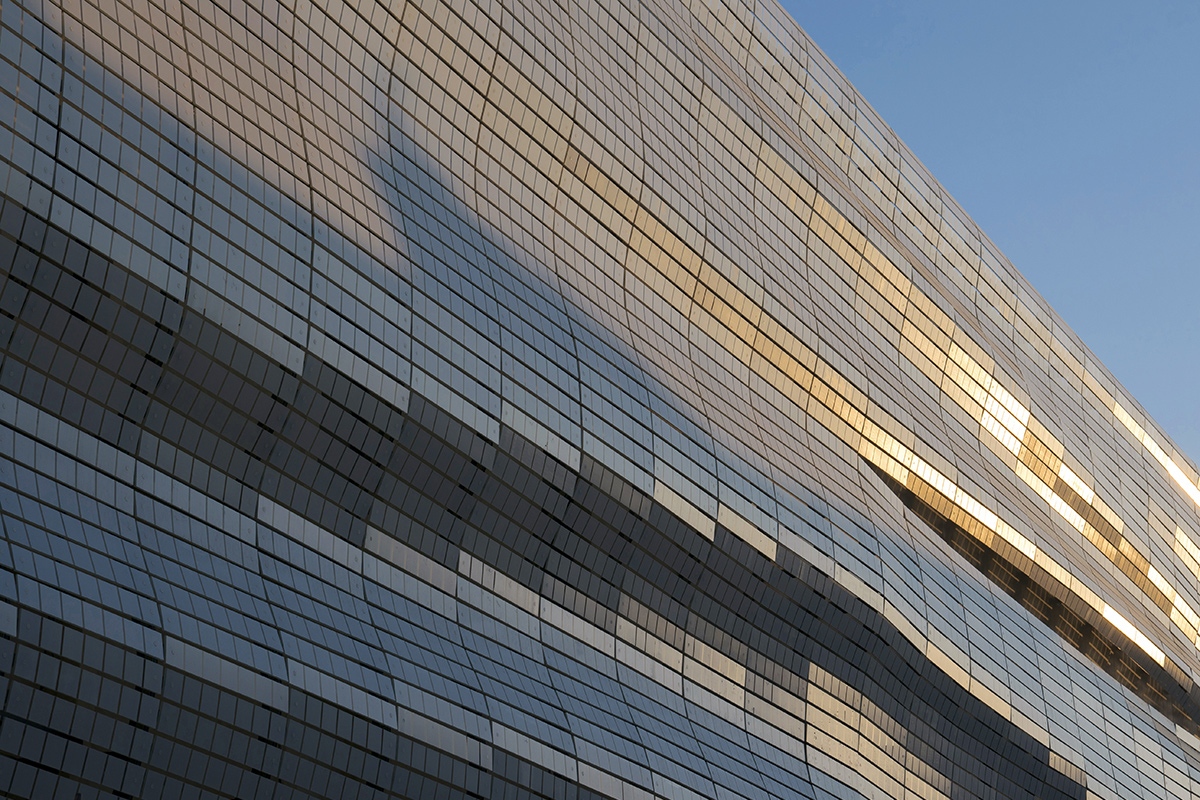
<point>1070,131</point>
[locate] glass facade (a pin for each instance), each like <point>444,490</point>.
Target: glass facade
<point>453,399</point>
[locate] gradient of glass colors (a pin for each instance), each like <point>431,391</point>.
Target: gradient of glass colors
<point>545,400</point>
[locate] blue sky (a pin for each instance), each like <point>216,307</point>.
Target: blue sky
<point>1070,131</point>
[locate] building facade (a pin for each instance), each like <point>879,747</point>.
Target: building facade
<point>539,399</point>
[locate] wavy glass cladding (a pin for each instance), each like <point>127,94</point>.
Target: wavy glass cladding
<point>534,400</point>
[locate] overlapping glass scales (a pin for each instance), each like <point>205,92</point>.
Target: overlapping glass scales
<point>453,399</point>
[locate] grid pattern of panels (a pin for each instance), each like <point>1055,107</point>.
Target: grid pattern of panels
<point>461,399</point>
